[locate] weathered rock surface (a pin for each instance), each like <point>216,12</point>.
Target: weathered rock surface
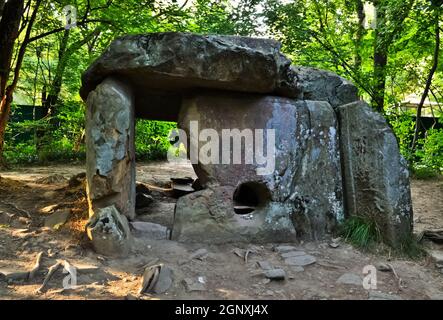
<point>350,279</point>
<point>376,179</point>
<point>57,219</point>
<point>170,63</point>
<point>109,231</point>
<point>322,85</point>
<point>275,274</point>
<point>286,188</point>
<point>301,260</point>
<point>110,160</point>
<point>207,216</point>
<point>149,230</point>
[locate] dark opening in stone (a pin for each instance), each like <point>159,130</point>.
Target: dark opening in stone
<point>250,195</point>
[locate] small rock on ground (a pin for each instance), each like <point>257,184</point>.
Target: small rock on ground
<point>350,279</point>
<point>275,274</point>
<point>57,219</point>
<point>193,285</point>
<point>290,254</point>
<point>283,249</point>
<point>300,261</point>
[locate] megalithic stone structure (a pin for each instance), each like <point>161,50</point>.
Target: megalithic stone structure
<point>333,157</point>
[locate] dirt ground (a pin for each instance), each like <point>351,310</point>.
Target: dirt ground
<point>26,193</point>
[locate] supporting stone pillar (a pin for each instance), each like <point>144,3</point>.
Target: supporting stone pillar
<point>376,178</point>
<point>110,164</point>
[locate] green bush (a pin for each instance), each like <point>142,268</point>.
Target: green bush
<point>427,160</point>
<point>430,151</point>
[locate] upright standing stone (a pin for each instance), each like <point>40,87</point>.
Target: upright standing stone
<point>376,179</point>
<point>110,162</point>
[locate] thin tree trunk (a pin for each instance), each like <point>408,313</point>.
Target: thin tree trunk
<point>359,34</point>
<point>380,57</point>
<point>6,99</point>
<point>12,12</point>
<point>418,123</point>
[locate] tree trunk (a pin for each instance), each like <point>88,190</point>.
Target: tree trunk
<point>418,123</point>
<point>359,6</point>
<point>7,94</point>
<point>9,27</point>
<point>380,57</point>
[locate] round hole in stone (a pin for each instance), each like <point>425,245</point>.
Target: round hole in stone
<point>250,195</point>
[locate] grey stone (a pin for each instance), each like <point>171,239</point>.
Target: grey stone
<point>437,256</point>
<point>297,269</point>
<point>149,230</point>
<point>110,158</point>
<point>275,274</point>
<point>300,261</point>
<point>334,245</point>
<point>164,280</point>
<point>350,279</point>
<point>217,222</point>
<point>265,265</point>
<point>172,63</point>
<point>109,232</point>
<point>322,85</point>
<point>284,249</point>
<point>193,285</point>
<point>375,295</point>
<point>383,267</point>
<point>376,177</point>
<point>293,254</point>
<point>57,219</point>
<point>290,201</point>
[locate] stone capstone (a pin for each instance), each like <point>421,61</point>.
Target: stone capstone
<point>322,85</point>
<point>171,63</point>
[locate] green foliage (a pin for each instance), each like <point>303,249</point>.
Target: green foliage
<point>430,151</point>
<point>365,234</point>
<point>361,232</point>
<point>151,139</point>
<point>323,34</point>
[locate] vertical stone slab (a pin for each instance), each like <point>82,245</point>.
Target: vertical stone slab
<point>304,188</point>
<point>316,187</point>
<point>376,179</point>
<point>110,157</point>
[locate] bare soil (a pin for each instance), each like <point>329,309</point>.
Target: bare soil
<point>27,192</point>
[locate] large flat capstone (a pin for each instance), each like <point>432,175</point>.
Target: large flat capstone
<point>161,66</point>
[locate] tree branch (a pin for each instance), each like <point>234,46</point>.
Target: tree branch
<point>82,23</point>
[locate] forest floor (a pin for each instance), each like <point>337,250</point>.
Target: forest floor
<point>28,193</point>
